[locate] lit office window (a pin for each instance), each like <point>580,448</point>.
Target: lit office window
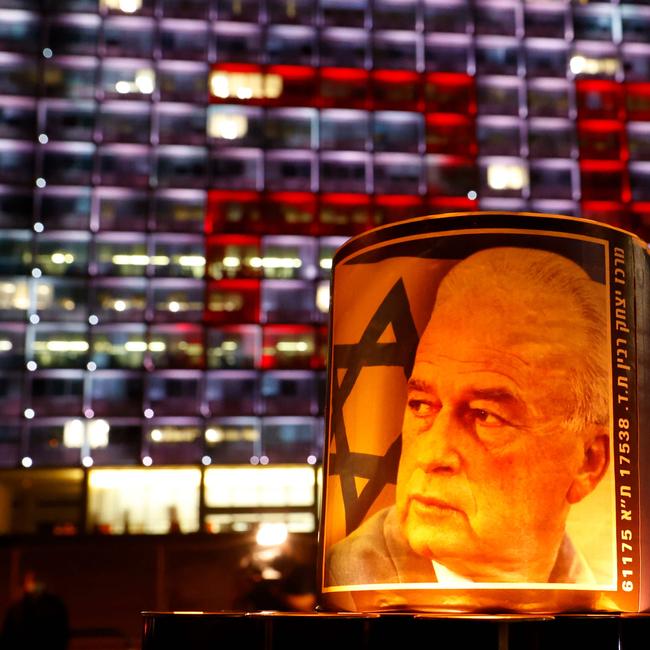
<point>15,298</point>
<point>177,441</point>
<point>121,346</point>
<point>177,300</point>
<point>61,299</point>
<point>179,257</point>
<point>149,501</point>
<point>230,441</point>
<point>176,346</point>
<point>117,300</point>
<point>121,255</point>
<point>248,487</point>
<point>59,345</point>
<point>236,346</point>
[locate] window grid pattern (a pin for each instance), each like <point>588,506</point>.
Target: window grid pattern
<point>173,183</point>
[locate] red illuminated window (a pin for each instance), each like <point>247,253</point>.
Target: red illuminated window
<point>233,211</point>
<point>449,93</point>
<point>601,140</point>
<point>450,133</point>
<point>599,99</point>
<point>395,207</point>
<point>396,89</point>
<point>233,301</point>
<point>603,181</point>
<point>343,88</point>
<point>343,214</point>
<point>293,212</point>
<point>637,97</point>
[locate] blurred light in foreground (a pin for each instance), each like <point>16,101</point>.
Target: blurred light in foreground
<point>26,461</point>
<point>272,534</point>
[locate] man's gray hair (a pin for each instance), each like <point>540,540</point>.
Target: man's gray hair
<point>546,274</point>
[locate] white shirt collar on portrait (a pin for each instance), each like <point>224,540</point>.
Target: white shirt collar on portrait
<point>447,577</point>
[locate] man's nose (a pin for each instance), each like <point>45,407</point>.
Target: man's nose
<point>438,446</point>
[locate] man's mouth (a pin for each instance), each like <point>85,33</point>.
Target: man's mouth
<point>432,505</point>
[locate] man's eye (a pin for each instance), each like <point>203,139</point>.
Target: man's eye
<point>487,419</point>
<point>420,408</point>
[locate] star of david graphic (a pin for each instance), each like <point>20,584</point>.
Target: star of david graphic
<point>347,362</point>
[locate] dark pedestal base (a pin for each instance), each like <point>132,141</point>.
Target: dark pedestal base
<point>278,631</point>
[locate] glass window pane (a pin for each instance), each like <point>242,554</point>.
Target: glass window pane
<point>122,209</point>
<point>237,346</point>
<point>61,299</point>
<point>11,405</point>
<point>181,166</point>
<point>289,392</point>
<point>124,122</point>
<point>10,435</point>
<point>46,444</point>
<point>16,207</point>
<point>259,487</point>
<point>176,346</point>
<point>230,441</point>
<point>120,392</point>
<point>232,392</point>
<point>59,345</point>
<point>290,439</point>
<point>74,34</point>
<point>56,392</point>
<point>177,300</point>
<point>62,254</point>
<point>179,210</point>
<point>149,501</point>
<point>182,124</point>
<point>65,208</point>
<point>17,118</point>
<point>48,503</point>
<point>118,347</point>
<point>116,300</point>
<point>12,346</point>
<point>178,256</point>
<point>175,393</point>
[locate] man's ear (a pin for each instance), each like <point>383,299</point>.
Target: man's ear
<point>594,465</point>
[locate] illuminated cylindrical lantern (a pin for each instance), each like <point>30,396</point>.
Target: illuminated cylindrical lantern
<point>485,429</point>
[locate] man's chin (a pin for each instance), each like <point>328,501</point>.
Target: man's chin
<point>434,542</point>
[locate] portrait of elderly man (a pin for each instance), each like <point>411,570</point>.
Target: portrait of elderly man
<point>505,428</point>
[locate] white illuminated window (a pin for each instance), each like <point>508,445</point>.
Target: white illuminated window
<point>150,501</point>
<point>252,487</point>
<point>125,6</point>
<point>580,64</point>
<point>505,176</point>
<point>226,125</point>
<point>245,85</point>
